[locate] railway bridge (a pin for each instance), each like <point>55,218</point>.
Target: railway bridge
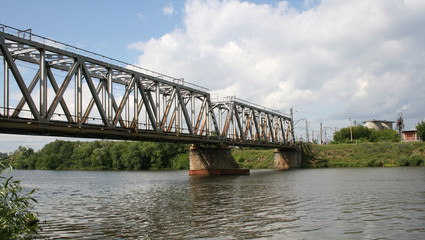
<point>54,89</point>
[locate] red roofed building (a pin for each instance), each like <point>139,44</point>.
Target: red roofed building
<point>410,135</point>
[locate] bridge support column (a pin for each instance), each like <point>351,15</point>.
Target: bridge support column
<point>284,159</point>
<point>213,161</point>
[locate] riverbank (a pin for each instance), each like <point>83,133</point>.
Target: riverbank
<point>107,155</point>
<point>384,154</point>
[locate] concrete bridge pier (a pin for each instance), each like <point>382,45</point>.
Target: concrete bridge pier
<point>286,159</point>
<point>213,161</point>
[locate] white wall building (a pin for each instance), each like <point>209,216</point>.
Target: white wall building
<point>379,124</point>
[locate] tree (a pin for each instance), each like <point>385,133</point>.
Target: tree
<point>362,133</point>
<point>383,135</point>
<point>421,129</point>
<point>359,133</point>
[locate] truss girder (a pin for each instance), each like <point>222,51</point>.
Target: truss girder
<point>248,123</point>
<point>88,90</point>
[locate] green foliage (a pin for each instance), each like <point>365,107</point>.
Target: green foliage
<point>364,155</point>
<point>99,155</point>
<point>383,135</point>
<point>253,158</point>
<point>16,219</point>
<point>359,133</point>
<point>421,129</point>
<point>364,134</point>
<point>180,161</point>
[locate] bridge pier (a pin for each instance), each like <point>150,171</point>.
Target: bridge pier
<point>284,159</point>
<point>213,161</point>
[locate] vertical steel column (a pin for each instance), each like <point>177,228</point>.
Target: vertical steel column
<point>158,101</point>
<point>207,115</point>
<point>43,85</point>
<point>104,102</point>
<point>234,123</point>
<point>127,109</point>
<point>78,96</point>
<point>176,110</point>
<point>147,117</point>
<point>6,88</point>
<point>164,107</point>
<point>192,110</point>
<point>242,133</point>
<point>110,92</point>
<point>136,106</point>
<point>220,116</point>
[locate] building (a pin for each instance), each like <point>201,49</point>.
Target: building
<point>410,135</point>
<point>379,124</point>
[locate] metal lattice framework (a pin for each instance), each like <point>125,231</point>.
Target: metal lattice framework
<point>51,88</point>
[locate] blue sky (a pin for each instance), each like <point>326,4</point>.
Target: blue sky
<point>330,60</point>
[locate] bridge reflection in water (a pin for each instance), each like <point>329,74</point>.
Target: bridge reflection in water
<point>71,92</point>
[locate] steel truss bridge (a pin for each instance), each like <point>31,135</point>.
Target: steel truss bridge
<point>53,89</point>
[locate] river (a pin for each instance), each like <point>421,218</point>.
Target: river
<point>361,203</point>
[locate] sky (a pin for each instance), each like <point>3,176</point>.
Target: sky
<point>329,60</point>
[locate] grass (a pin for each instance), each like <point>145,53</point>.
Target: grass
<point>253,158</point>
<point>364,155</point>
<point>383,154</point>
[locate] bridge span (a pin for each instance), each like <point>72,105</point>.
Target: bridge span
<point>54,89</point>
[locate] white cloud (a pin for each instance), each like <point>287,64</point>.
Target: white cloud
<point>359,58</point>
<point>141,15</point>
<point>168,9</point>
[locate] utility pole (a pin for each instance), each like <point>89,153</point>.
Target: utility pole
<point>351,130</point>
<point>306,131</point>
<point>321,139</point>
<point>292,124</point>
<point>325,135</point>
<point>312,134</point>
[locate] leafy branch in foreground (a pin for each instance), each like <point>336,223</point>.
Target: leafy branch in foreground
<point>16,219</point>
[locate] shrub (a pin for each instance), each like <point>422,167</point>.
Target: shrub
<point>16,219</point>
<point>403,160</point>
<point>416,160</point>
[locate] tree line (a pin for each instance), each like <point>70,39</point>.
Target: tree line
<point>364,134</point>
<point>102,155</point>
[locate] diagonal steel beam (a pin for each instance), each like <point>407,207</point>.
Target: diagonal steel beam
<point>201,112</point>
<point>19,80</point>
<point>123,101</point>
<point>61,91</point>
<point>212,115</point>
<point>168,108</point>
<point>91,103</point>
<point>229,118</point>
<point>30,89</point>
<point>56,89</point>
<point>89,81</point>
<point>183,107</point>
<point>147,105</point>
<point>270,128</point>
<point>257,130</point>
<point>238,122</point>
<point>248,124</point>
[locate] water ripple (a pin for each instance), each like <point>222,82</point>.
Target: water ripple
<point>300,204</point>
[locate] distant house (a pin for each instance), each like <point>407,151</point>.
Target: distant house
<point>379,124</point>
<point>410,135</point>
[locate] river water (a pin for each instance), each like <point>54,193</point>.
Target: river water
<point>361,203</point>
